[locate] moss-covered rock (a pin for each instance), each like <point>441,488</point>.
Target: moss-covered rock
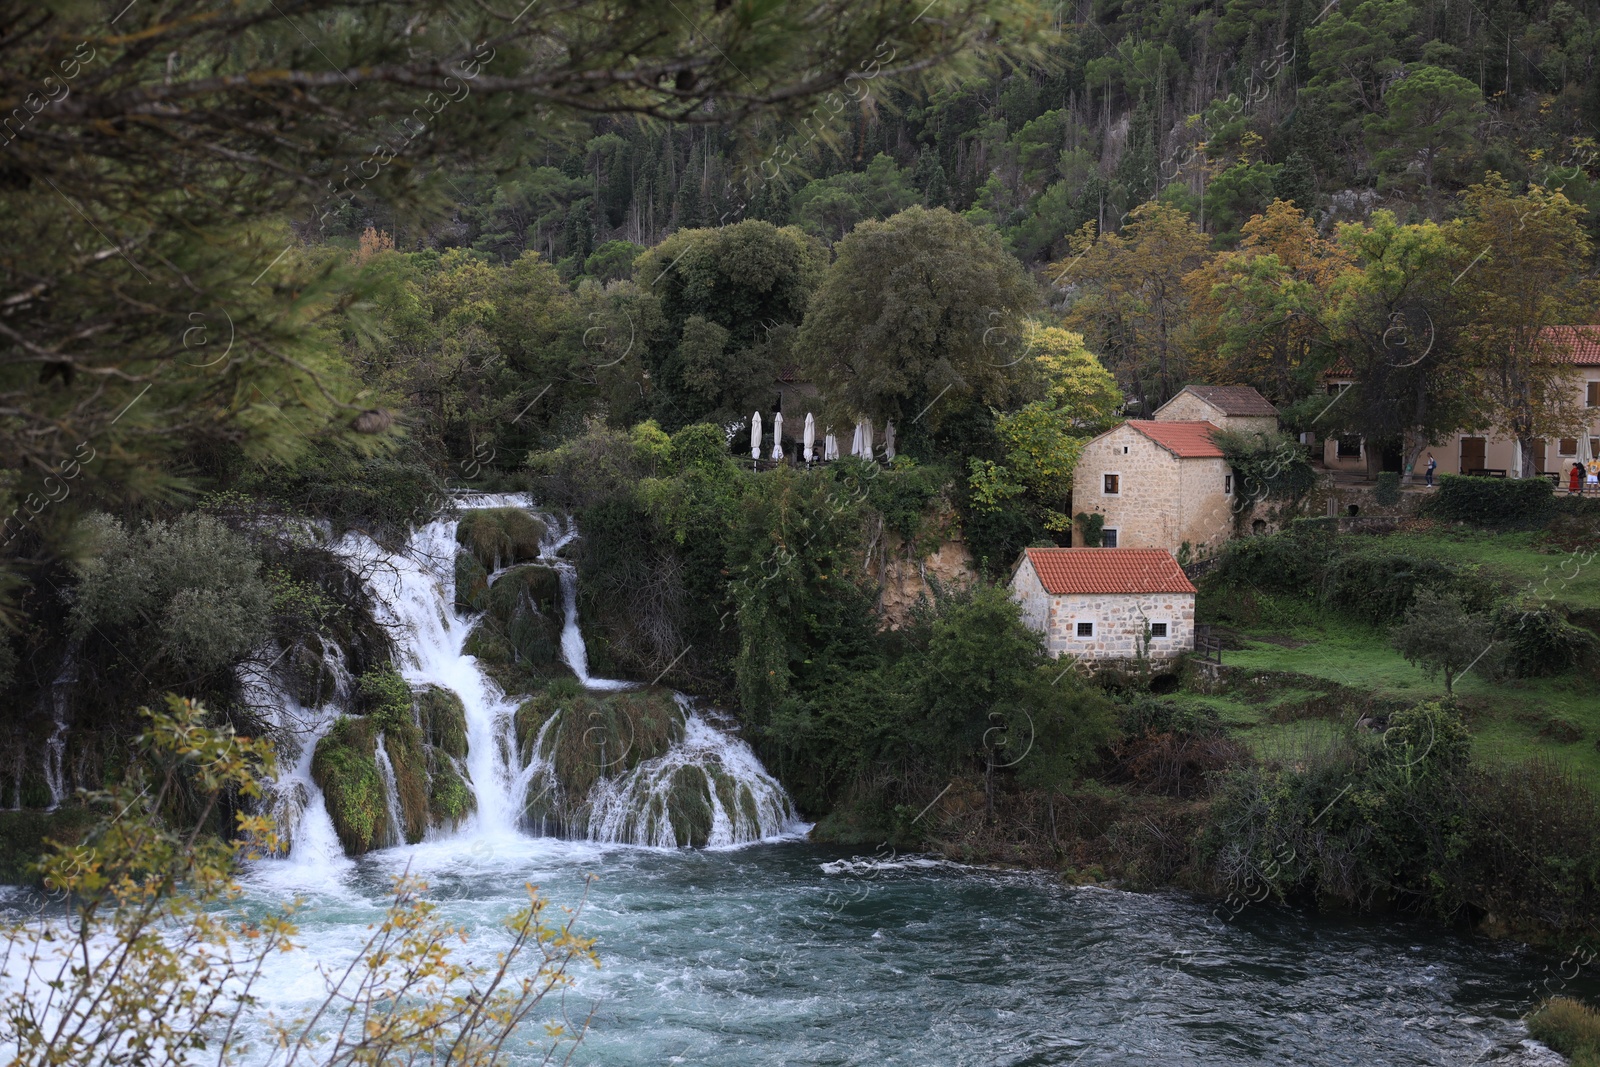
<point>591,736</point>
<point>689,807</point>
<point>518,640</point>
<point>443,719</point>
<point>345,768</point>
<point>450,799</point>
<point>499,537</point>
<point>472,583</point>
<point>407,756</point>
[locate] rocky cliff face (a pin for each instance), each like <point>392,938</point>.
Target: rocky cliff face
<point>908,571</point>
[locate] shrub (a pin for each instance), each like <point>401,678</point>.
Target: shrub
<point>189,591</point>
<point>1570,1027</point>
<point>1491,501</point>
<point>1387,491</point>
<point>1292,562</point>
<point>1539,641</point>
<point>499,537</point>
<point>1091,526</point>
<point>1379,584</point>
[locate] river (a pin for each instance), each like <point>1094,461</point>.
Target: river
<point>789,953</point>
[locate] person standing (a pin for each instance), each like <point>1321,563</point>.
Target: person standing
<point>1575,481</point>
<point>1432,464</point>
<point>1594,476</point>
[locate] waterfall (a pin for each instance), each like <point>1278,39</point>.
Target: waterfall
<point>391,795</point>
<point>747,803</point>
<point>295,801</point>
<point>55,747</point>
<point>414,594</point>
<point>573,650</point>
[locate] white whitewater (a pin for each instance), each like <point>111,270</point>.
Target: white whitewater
<point>55,748</point>
<point>613,802</point>
<point>560,534</point>
<point>296,802</point>
<point>414,591</point>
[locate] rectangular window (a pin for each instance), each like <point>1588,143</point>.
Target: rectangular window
<point>1086,629</point>
<point>1568,446</point>
<point>1158,629</point>
<point>1227,485</point>
<point>1594,394</point>
<point>1108,538</point>
<point>1113,484</point>
<point>1349,446</point>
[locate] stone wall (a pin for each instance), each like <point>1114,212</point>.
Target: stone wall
<point>1144,513</point>
<point>1119,621</point>
<point>1205,511</point>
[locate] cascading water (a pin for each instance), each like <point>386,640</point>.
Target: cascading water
<point>573,650</point>
<point>55,749</point>
<point>391,795</point>
<point>297,805</point>
<point>415,596</point>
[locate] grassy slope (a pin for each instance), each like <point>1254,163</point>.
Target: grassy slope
<point>1506,717</point>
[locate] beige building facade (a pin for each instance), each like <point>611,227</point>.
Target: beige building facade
<point>1228,407</point>
<point>1158,484</point>
<point>1482,451</point>
<point>1099,605</point>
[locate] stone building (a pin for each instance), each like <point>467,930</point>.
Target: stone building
<point>1575,348</point>
<point>1106,603</point>
<point>1159,484</point>
<point>1229,407</point>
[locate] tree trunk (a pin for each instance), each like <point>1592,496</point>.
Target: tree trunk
<point>1525,447</point>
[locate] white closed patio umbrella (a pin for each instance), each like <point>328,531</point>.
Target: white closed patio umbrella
<point>830,447</point>
<point>777,436</point>
<point>866,438</point>
<point>755,436</point>
<point>855,442</point>
<point>1585,454</point>
<point>810,436</point>
<point>888,440</point>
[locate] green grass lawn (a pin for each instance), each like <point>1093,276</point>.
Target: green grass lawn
<point>1510,719</point>
<point>1538,569</point>
<point>1507,717</point>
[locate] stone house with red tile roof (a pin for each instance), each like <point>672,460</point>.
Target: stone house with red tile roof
<point>1159,484</point>
<point>1098,604</point>
<point>1481,450</point>
<point>1231,407</point>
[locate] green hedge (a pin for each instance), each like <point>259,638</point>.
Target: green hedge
<point>1491,501</point>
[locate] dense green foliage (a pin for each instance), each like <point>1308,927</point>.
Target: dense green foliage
<point>1491,501</point>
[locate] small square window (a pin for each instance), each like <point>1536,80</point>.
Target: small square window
<point>1108,538</point>
<point>1158,629</point>
<point>1227,485</point>
<point>1113,484</point>
<point>1086,629</point>
<point>1349,446</point>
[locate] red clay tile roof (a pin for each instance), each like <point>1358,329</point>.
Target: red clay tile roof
<point>1579,345</point>
<point>1233,399</point>
<point>1108,570</point>
<point>1189,440</point>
